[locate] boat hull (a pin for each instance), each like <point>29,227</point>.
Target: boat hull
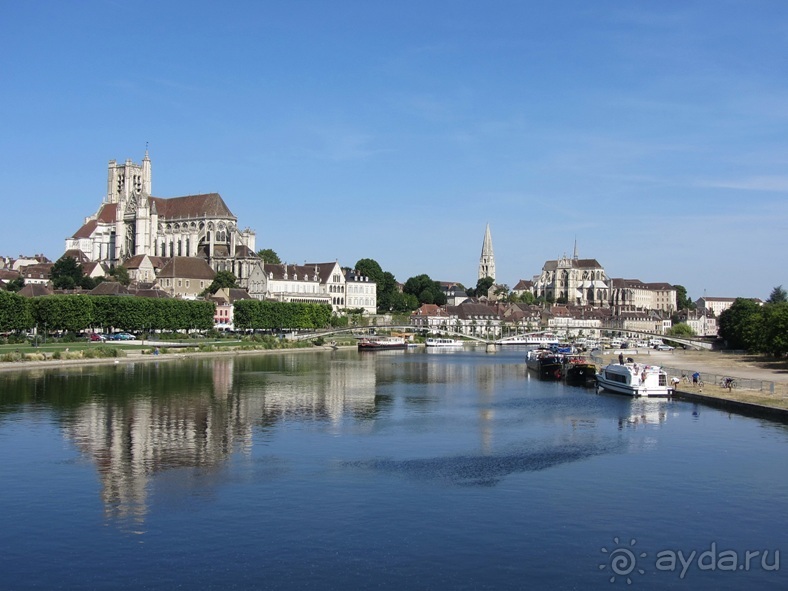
<point>580,373</point>
<point>381,347</point>
<point>549,368</point>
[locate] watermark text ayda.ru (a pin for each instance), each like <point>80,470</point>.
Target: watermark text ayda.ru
<point>625,562</point>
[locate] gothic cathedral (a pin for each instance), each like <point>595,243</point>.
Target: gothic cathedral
<point>131,223</point>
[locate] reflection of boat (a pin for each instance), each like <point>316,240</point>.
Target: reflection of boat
<point>545,363</point>
<point>579,370</point>
<point>634,379</point>
<point>448,343</point>
<point>382,343</point>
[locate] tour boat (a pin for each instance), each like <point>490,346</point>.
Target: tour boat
<point>634,379</point>
<point>539,340</point>
<point>443,343</point>
<point>545,363</point>
<point>382,343</point>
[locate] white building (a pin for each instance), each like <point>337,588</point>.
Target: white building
<point>288,283</point>
<point>633,294</point>
<point>360,292</point>
<point>712,305</point>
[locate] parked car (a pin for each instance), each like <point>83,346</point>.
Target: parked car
<point>96,337</point>
<point>664,348</point>
<point>121,336</point>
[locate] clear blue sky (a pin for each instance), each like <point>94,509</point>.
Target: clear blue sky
<point>654,133</point>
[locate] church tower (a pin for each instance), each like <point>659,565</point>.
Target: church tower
<point>129,186</point>
<point>487,260</point>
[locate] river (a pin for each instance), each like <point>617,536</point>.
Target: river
<point>384,470</point>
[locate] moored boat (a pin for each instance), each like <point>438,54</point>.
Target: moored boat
<point>545,363</point>
<point>443,343</point>
<point>579,370</point>
<point>634,379</point>
<point>382,343</point>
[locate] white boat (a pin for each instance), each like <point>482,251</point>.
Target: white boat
<point>634,379</point>
<point>534,340</point>
<point>442,342</point>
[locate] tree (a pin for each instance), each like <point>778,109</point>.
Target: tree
<point>120,274</point>
<point>425,289</point>
<point>681,329</point>
<point>222,280</point>
<point>775,329</point>
<point>66,273</point>
<point>482,287</point>
<point>683,301</point>
<point>371,269</point>
<point>269,256</point>
<point>777,296</point>
<point>740,325</point>
<point>403,302</point>
<point>14,312</point>
<point>16,284</point>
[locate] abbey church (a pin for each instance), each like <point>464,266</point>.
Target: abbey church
<point>131,222</point>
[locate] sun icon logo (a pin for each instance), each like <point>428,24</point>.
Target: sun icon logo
<point>622,561</point>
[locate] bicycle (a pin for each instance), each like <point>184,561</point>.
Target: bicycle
<point>728,383</point>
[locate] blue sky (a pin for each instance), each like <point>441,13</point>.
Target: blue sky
<point>653,133</point>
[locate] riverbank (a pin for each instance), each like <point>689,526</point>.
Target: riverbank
<point>765,380</point>
<point>144,356</point>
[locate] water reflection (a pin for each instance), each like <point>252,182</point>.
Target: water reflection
<point>136,421</point>
<point>131,440</point>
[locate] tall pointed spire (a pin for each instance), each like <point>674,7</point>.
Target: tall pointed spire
<point>487,260</point>
<point>574,255</point>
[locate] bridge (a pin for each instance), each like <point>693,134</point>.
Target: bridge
<point>359,330</point>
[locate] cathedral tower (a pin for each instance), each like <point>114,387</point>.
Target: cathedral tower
<point>487,260</point>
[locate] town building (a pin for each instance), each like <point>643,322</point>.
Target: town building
<point>703,324</point>
<point>185,277</point>
<point>634,294</point>
<point>317,283</point>
<point>475,319</point>
<point>132,222</point>
<point>38,273</point>
<point>224,299</point>
<point>360,292</point>
<point>432,318</point>
<point>713,305</point>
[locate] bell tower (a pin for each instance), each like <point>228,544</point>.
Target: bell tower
<point>129,186</point>
<point>487,260</point>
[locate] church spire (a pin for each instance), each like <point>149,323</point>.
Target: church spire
<point>574,255</point>
<point>487,260</point>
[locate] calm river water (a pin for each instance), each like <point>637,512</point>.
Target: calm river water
<point>388,470</point>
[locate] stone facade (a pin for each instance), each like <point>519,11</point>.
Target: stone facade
<point>576,281</point>
<point>487,259</point>
<point>131,222</point>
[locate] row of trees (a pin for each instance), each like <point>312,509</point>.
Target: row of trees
<point>75,313</point>
<point>763,329</point>
<point>262,315</point>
